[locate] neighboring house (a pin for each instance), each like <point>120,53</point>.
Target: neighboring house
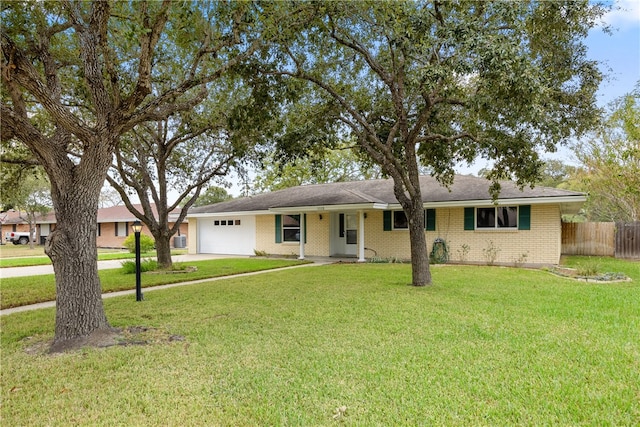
<point>13,220</point>
<point>363,219</point>
<point>114,225</point>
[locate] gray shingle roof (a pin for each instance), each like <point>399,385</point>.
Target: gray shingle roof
<point>379,191</point>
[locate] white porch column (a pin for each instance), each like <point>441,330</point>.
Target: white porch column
<point>302,233</point>
<point>361,237</point>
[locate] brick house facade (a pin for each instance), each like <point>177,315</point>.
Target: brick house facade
<point>363,220</point>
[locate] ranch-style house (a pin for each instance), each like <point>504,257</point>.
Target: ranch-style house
<point>363,220</point>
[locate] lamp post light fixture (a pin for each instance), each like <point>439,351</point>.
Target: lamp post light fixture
<point>137,228</point>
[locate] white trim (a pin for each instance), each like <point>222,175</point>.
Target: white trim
<point>503,202</point>
<point>330,208</point>
<point>230,213</point>
<point>393,220</point>
<point>302,232</point>
<point>495,227</point>
<point>361,236</point>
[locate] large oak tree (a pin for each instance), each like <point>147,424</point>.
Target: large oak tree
<point>437,83</point>
<point>92,69</point>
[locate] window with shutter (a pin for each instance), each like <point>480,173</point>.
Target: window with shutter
<point>430,219</point>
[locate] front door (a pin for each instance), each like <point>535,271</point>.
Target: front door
<point>351,234</point>
<point>344,234</point>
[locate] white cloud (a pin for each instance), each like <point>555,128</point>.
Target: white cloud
<point>625,13</point>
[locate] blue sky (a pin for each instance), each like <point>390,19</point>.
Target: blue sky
<point>619,51</point>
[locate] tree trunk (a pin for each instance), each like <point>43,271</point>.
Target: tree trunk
<point>73,252</point>
<point>421,275</point>
<point>163,250</point>
<point>33,236</point>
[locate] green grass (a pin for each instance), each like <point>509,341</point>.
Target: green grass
<point>603,265</point>
<point>18,291</point>
<point>102,256</point>
<point>483,346</point>
<point>24,262</point>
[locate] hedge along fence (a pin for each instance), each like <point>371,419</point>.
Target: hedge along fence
<point>621,240</point>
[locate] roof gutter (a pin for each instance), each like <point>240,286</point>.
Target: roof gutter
<point>331,208</point>
<point>504,202</point>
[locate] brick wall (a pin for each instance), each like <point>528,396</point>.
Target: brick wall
<point>539,245</point>
<point>192,243</point>
<point>317,236</point>
<point>108,238</point>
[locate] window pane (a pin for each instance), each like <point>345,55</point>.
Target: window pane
<point>400,220</point>
<point>507,216</point>
<point>291,234</point>
<point>291,220</point>
<point>291,228</point>
<point>351,221</point>
<point>486,218</point>
<point>352,237</point>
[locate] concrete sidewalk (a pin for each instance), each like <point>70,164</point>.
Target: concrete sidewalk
<point>49,304</point>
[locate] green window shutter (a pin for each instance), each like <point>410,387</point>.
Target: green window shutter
<point>430,219</point>
<point>278,228</point>
<point>386,220</point>
<point>524,217</point>
<point>469,218</point>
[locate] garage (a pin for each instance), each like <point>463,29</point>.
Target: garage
<point>232,235</point>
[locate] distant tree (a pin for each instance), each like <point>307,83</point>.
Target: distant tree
<point>109,197</point>
<point>17,163</point>
<point>437,82</point>
<point>31,198</point>
<point>553,173</point>
<point>212,194</point>
<point>338,165</point>
<point>610,160</point>
<point>172,158</point>
<point>556,173</point>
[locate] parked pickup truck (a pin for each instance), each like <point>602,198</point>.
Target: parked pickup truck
<point>17,237</point>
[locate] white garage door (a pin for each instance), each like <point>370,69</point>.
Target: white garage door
<point>227,235</point>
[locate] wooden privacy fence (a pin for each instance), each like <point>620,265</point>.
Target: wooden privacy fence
<point>621,240</point>
<point>588,238</point>
<point>628,240</point>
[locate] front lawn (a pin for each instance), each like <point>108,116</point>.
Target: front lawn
<point>18,291</point>
<point>10,259</point>
<point>345,343</point>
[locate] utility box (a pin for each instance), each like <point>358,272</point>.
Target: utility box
<point>180,242</point>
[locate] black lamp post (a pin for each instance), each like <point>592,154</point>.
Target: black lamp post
<point>137,228</point>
